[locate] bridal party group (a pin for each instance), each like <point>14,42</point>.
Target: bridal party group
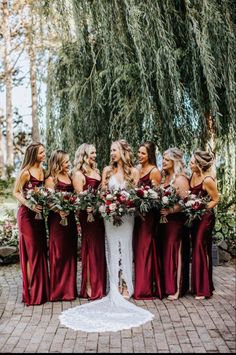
<point>163,255</point>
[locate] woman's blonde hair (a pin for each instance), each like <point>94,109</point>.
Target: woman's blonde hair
<point>81,161</point>
<point>55,163</point>
<point>176,155</point>
<point>30,158</point>
<point>126,157</point>
<point>205,161</point>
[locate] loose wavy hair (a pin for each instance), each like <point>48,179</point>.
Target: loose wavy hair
<point>55,163</point>
<point>81,161</point>
<point>126,157</point>
<point>176,155</point>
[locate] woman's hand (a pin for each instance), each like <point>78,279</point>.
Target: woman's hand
<point>63,214</point>
<point>89,209</point>
<point>165,211</point>
<point>35,208</point>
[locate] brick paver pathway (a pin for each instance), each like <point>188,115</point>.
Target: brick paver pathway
<point>182,326</point>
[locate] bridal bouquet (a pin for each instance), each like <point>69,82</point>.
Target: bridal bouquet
<point>147,198</point>
<point>88,199</point>
<point>167,199</point>
<point>63,201</point>
<point>37,196</point>
<point>193,206</point>
<point>113,205</point>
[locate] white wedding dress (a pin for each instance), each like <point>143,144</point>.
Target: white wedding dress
<point>113,312</point>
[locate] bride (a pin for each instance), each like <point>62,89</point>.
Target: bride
<point>114,312</point>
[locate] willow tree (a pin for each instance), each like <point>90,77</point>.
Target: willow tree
<point>159,70</point>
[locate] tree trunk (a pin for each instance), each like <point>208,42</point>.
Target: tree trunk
<point>33,80</point>
<point>2,175</point>
<point>8,83</point>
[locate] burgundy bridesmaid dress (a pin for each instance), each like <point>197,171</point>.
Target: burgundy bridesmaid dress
<point>33,249</point>
<point>174,234</point>
<point>147,263</point>
<point>93,250</point>
<point>201,235</point>
<point>62,253</point>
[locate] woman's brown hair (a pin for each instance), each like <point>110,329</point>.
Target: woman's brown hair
<point>30,158</point>
<point>151,151</point>
<point>55,162</point>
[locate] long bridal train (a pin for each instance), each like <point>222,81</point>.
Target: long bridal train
<point>113,312</point>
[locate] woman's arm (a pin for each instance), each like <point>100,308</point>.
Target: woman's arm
<point>78,181</point>
<point>155,177</point>
<point>182,187</point>
<point>21,180</point>
<point>49,183</point>
<point>211,188</point>
<point>104,177</point>
<point>136,175</point>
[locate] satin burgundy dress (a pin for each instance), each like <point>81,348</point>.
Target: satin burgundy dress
<point>147,263</point>
<point>175,235</point>
<point>201,235</point>
<point>33,249</point>
<point>62,253</point>
<point>93,250</point>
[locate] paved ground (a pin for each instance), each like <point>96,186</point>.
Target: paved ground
<point>183,326</point>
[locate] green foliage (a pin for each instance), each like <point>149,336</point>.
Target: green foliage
<point>9,230</point>
<point>225,221</point>
<point>144,70</point>
<point>113,81</point>
<point>6,187</point>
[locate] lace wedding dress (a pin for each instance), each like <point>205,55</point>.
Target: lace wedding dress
<point>113,312</point>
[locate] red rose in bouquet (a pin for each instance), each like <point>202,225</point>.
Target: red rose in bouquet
<point>114,204</point>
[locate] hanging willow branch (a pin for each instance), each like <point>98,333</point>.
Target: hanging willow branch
<point>144,70</point>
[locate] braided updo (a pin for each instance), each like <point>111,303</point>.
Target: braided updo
<point>203,159</point>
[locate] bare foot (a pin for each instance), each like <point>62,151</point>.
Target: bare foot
<point>88,290</point>
<point>173,297</point>
<point>200,297</point>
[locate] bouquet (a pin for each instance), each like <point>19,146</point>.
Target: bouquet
<point>114,204</point>
<point>167,199</point>
<point>193,206</point>
<point>88,198</point>
<point>146,199</point>
<point>37,196</point>
<point>63,201</point>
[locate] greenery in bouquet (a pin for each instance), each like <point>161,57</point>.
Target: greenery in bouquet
<point>193,206</point>
<point>63,201</point>
<point>146,199</point>
<point>167,198</point>
<point>114,204</point>
<point>37,196</point>
<point>88,201</point>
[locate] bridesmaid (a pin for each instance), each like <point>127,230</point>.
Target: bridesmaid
<point>174,234</point>
<point>32,232</point>
<point>85,175</point>
<point>203,182</point>
<point>62,239</point>
<point>146,258</point>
